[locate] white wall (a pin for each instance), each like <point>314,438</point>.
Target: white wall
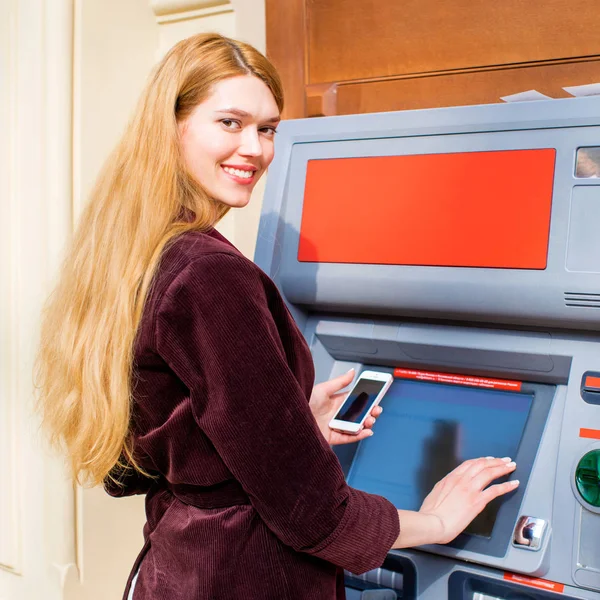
<point>37,543</point>
<point>70,74</point>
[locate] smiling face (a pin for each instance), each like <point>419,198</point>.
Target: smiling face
<point>228,139</point>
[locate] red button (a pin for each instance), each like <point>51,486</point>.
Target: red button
<point>592,382</point>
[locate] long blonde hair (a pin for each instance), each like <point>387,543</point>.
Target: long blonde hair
<point>85,361</point>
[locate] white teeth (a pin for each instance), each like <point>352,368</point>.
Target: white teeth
<point>238,172</point>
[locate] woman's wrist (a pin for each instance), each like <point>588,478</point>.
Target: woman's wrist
<point>436,529</point>
<point>417,529</point>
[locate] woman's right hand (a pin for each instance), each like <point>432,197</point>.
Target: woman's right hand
<point>460,496</point>
<point>455,501</point>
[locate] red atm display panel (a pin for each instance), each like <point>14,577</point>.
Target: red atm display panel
<point>470,209</point>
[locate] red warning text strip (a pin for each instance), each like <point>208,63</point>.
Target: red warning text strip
<point>543,584</point>
<point>454,379</point>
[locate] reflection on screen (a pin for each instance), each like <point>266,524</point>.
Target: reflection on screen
<point>587,165</point>
<point>428,429</point>
<point>357,404</point>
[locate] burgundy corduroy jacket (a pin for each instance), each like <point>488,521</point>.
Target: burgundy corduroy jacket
<point>250,501</point>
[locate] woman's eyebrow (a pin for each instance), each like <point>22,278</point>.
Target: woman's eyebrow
<point>242,113</point>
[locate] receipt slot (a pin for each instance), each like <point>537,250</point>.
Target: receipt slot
<point>354,594</point>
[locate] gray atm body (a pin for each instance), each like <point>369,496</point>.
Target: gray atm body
<point>539,326</point>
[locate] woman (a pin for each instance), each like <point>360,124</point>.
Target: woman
<point>170,366</point>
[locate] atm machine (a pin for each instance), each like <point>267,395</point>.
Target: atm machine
<point>459,249</point>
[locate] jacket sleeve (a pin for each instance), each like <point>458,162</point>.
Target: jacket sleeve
<point>215,330</point>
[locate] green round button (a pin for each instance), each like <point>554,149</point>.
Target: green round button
<point>587,477</point>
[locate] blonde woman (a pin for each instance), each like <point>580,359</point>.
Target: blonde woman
<point>170,366</point>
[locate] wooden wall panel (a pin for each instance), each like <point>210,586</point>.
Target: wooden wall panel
<point>354,56</point>
<point>352,39</point>
<point>286,48</point>
<point>484,87</point>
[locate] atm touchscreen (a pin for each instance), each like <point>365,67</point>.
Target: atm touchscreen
<point>429,427</point>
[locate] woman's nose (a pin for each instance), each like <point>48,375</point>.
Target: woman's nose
<point>250,145</point>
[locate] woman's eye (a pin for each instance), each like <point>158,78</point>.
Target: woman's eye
<point>231,124</point>
<point>269,131</point>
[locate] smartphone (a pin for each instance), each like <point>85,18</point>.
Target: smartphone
<point>367,392</point>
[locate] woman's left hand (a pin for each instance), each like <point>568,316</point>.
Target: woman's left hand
<point>325,401</point>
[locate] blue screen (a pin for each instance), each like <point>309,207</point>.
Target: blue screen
<point>428,429</point>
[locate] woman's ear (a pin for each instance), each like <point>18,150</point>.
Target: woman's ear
<point>182,127</point>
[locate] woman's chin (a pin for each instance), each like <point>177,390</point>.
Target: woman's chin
<point>236,202</point>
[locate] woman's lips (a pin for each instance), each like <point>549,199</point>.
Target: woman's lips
<point>239,175</point>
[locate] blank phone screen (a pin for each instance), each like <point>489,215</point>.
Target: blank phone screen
<point>360,399</point>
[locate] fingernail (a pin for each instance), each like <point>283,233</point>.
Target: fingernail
<point>489,457</point>
<point>370,433</point>
<point>515,482</point>
<point>511,464</point>
<point>350,371</point>
<point>507,459</point>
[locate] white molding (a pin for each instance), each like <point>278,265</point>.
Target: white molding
<point>10,523</point>
<point>194,15</point>
<point>166,10</point>
<point>76,163</point>
<point>164,7</point>
<point>58,71</point>
<point>59,503</point>
<point>36,497</point>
